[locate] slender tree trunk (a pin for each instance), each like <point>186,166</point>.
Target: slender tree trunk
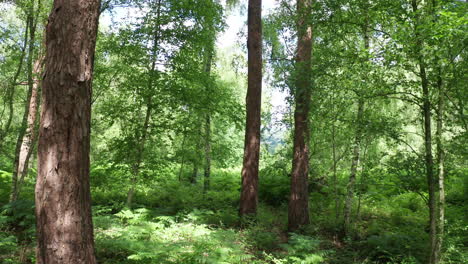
<point>298,208</point>
<point>28,138</point>
<point>207,169</point>
<point>149,108</point>
<point>335,178</point>
<point>10,92</point>
<point>197,159</point>
<point>354,165</point>
<point>22,149</point>
<point>437,255</point>
<point>440,168</point>
<point>429,164</point>
<point>182,163</point>
<point>63,200</point>
<point>249,188</point>
<point>193,177</point>
<point>426,114</point>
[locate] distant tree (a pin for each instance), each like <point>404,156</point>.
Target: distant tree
<point>27,135</point>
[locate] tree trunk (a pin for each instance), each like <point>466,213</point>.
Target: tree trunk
<point>354,165</point>
<point>142,141</point>
<point>193,177</point>
<point>249,189</point>
<point>437,255</point>
<point>25,133</point>
<point>441,169</point>
<point>335,178</point>
<point>426,114</point>
<point>27,139</point>
<point>429,164</point>
<point>10,91</point>
<point>298,208</point>
<point>63,201</point>
<point>207,170</point>
<point>182,162</point>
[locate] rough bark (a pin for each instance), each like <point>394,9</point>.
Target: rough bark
<point>63,201</point>
<point>354,165</point>
<point>298,208</point>
<point>249,188</point>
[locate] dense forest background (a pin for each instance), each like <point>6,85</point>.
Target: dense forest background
<point>385,134</point>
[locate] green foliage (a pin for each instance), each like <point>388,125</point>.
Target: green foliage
<point>143,236</point>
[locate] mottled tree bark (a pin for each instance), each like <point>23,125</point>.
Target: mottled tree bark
<point>249,188</point>
<point>63,200</point>
<point>298,209</point>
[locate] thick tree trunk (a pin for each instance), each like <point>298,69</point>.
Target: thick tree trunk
<point>354,165</point>
<point>298,209</point>
<point>63,200</point>
<point>249,188</point>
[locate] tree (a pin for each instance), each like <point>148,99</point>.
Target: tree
<point>298,210</point>
<point>62,195</point>
<point>28,133</point>
<point>249,188</point>
<point>141,141</point>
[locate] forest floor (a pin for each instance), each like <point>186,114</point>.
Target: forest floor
<point>177,223</point>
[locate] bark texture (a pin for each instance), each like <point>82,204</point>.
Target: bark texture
<point>298,209</point>
<point>249,191</point>
<point>63,200</point>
